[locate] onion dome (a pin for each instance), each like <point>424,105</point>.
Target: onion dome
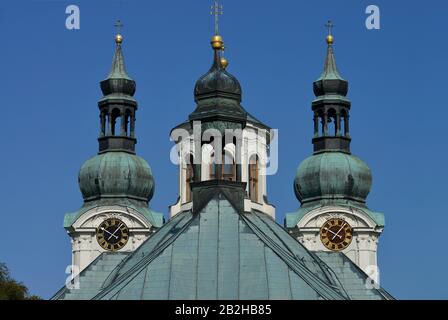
<point>116,175</point>
<point>217,82</point>
<point>332,175</point>
<point>330,82</point>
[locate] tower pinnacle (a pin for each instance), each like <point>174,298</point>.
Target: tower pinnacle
<point>331,107</point>
<point>118,36</point>
<point>330,26</point>
<point>118,106</point>
<point>216,12</point>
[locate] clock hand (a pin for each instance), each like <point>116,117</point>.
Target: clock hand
<point>118,228</point>
<point>339,231</point>
<point>109,233</point>
<point>339,236</point>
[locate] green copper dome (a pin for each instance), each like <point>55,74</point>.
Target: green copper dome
<point>332,175</point>
<point>217,82</point>
<point>116,175</point>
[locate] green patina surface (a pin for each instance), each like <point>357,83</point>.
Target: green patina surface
<point>218,95</point>
<point>330,71</point>
<point>92,278</point>
<point>330,82</point>
<point>217,251</point>
<point>118,70</point>
<point>220,253</point>
<point>353,279</point>
<point>115,177</point>
<point>332,175</point>
<point>116,174</point>
<point>330,98</point>
<point>117,98</point>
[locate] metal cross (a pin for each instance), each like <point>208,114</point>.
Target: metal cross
<point>330,26</point>
<point>118,25</point>
<point>216,11</point>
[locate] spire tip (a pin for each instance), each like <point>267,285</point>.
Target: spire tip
<point>330,26</point>
<point>118,36</point>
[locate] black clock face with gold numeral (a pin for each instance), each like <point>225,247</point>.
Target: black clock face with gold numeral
<point>112,234</point>
<point>336,234</point>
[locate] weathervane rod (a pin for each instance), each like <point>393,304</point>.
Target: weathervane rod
<point>216,11</point>
<point>330,26</point>
<point>118,25</point>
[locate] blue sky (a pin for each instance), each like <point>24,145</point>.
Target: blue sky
<point>50,86</point>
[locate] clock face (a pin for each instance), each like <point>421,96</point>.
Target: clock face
<point>112,234</point>
<point>336,234</point>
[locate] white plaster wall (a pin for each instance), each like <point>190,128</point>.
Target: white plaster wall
<point>254,143</point>
<point>363,248</point>
<point>85,247</point>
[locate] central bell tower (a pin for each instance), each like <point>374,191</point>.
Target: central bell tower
<point>221,140</point>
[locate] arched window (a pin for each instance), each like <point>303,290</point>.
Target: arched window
<point>116,122</point>
<point>253,177</point>
<point>212,170</point>
<point>332,126</point>
<point>228,168</point>
<point>189,178</point>
<point>322,123</point>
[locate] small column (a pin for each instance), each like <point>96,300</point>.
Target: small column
<point>197,172</point>
<point>109,123</point>
<point>316,125</point>
<point>346,126</point>
<point>238,139</point>
<point>123,124</point>
<point>218,171</point>
<point>197,163</point>
<point>133,124</point>
<point>338,124</point>
<point>325,124</point>
<point>238,164</point>
<point>102,123</point>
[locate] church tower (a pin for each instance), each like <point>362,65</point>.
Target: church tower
<point>221,140</point>
<point>221,241</point>
<point>332,185</point>
<point>116,184</point>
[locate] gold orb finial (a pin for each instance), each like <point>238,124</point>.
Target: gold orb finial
<point>224,62</point>
<point>330,26</point>
<point>118,39</point>
<point>217,42</point>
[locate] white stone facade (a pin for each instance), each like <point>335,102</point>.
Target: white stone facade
<point>363,247</point>
<point>85,247</point>
<point>254,143</point>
